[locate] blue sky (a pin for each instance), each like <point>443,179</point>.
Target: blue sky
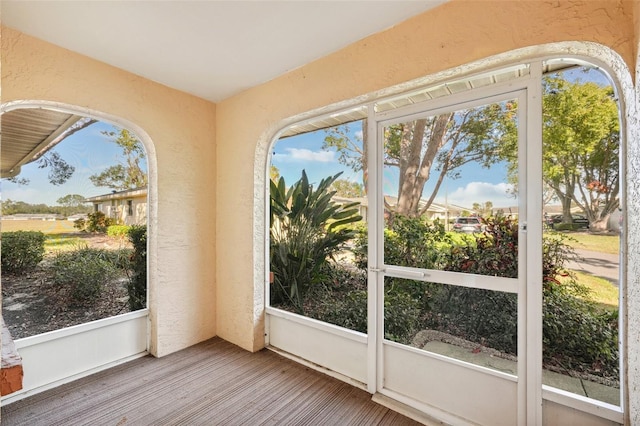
<point>476,184</point>
<point>88,150</point>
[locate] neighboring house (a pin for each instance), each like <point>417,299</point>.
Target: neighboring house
<point>127,207</point>
<point>435,210</point>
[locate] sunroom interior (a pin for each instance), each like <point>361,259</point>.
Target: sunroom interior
<point>210,155</point>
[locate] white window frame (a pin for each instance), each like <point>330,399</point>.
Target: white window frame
<point>620,77</point>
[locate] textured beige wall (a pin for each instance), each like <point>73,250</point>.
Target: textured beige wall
<point>453,34</point>
<point>182,129</point>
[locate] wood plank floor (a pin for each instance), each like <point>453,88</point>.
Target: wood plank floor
<point>212,383</point>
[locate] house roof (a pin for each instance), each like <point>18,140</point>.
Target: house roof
<point>118,195</point>
<point>27,133</point>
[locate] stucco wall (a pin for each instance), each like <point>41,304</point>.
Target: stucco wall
<point>453,34</point>
<point>182,199</point>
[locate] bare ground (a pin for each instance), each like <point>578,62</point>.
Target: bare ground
<point>32,304</point>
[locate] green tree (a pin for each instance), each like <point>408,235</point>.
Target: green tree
<point>72,203</point>
<point>483,210</point>
<point>437,145</point>
<point>72,200</point>
<point>581,147</point>
<point>128,174</point>
<point>347,188</point>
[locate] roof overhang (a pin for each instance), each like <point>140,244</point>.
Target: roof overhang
<point>26,134</point>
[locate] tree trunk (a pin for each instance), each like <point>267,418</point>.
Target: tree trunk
<point>415,168</point>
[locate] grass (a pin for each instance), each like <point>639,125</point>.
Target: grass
<point>594,242</point>
<point>602,292</point>
<point>44,226</point>
<point>56,231</point>
<point>61,242</point>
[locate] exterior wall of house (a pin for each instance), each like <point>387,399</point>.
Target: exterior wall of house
<point>118,209</point>
<point>454,34</point>
<point>179,133</point>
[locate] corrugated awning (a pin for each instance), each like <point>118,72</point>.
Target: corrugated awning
<point>26,134</point>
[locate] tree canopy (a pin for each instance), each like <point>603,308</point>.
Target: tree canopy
<point>128,174</point>
<point>437,145</point>
<point>581,147</point>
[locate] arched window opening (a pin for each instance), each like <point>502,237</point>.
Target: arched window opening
<point>489,240</point>
<point>318,220</point>
<point>74,218</point>
<point>583,185</point>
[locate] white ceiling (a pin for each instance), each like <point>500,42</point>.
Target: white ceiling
<point>211,49</point>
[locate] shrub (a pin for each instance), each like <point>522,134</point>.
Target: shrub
<point>85,271</point>
<point>409,241</point>
<point>577,335</point>
<point>118,231</point>
<point>80,224</point>
<point>22,250</point>
<point>307,229</point>
<point>137,285</point>
<point>98,222</point>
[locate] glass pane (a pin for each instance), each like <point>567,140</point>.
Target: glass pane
<point>581,243</point>
<point>69,252</point>
<point>449,185</point>
<point>318,235</point>
<point>468,324</point>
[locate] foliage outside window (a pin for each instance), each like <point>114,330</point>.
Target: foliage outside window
<point>67,264</point>
<point>580,170</point>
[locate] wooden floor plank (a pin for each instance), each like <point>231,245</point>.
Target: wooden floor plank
<point>213,383</point>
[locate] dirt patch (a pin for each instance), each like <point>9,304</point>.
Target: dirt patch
<point>32,304</point>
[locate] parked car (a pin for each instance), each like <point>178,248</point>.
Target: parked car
<point>578,220</point>
<point>468,224</point>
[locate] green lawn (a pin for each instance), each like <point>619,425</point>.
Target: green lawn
<point>45,226</point>
<point>602,292</point>
<point>60,233</point>
<point>594,242</point>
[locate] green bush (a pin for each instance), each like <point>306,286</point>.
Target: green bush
<point>80,224</point>
<point>98,222</point>
<point>137,285</point>
<point>579,336</point>
<point>118,231</point>
<point>307,229</point>
<point>85,271</point>
<point>409,242</point>
<point>22,250</point>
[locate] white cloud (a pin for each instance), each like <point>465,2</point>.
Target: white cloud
<point>359,134</point>
<point>296,154</point>
<point>481,192</point>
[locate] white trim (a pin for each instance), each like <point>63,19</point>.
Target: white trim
<point>78,329</point>
<point>318,368</point>
<point>453,361</point>
<point>60,356</point>
<point>19,395</point>
<point>152,187</point>
<point>373,295</point>
<point>318,325</point>
<point>593,53</point>
<point>531,187</point>
<point>582,403</point>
